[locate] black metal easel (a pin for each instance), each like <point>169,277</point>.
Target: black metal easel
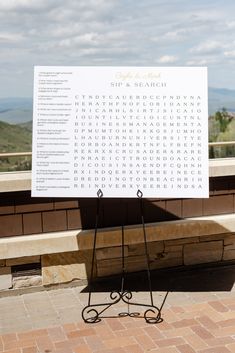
<point>92,313</point>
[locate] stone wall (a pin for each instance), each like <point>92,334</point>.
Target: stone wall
<point>21,215</point>
<point>30,233</point>
<point>64,267</point>
<point>166,254</point>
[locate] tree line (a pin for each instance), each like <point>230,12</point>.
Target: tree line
<point>221,129</point>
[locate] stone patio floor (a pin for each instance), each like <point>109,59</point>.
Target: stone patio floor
<point>198,316</point>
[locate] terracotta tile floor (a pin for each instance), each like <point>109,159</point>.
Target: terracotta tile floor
<point>198,316</point>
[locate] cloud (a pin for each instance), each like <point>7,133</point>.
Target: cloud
<point>230,53</point>
<point>230,24</point>
<point>10,37</point>
<point>116,32</point>
<point>16,5</point>
<point>208,47</point>
<point>86,39</point>
<point>199,62</point>
<point>167,59</point>
<point>179,34</point>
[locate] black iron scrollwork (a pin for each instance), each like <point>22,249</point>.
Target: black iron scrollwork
<point>153,315</point>
<point>93,313</point>
<point>90,315</point>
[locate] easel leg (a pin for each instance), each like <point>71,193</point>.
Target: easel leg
<point>92,313</point>
<point>123,261</point>
<point>94,318</point>
<point>99,194</point>
<point>140,194</point>
<point>158,317</point>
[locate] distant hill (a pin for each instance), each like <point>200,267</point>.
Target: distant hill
<point>16,103</point>
<point>16,116</point>
<point>14,138</point>
<point>28,125</point>
<point>219,98</point>
<point>16,110</point>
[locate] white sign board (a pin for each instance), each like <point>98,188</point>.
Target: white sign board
<point>120,130</point>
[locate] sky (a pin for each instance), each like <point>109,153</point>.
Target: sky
<point>115,33</point>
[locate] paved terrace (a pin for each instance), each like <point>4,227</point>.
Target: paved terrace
<point>198,316</point>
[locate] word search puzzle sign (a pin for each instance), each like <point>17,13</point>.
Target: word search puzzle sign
<point>120,130</point>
